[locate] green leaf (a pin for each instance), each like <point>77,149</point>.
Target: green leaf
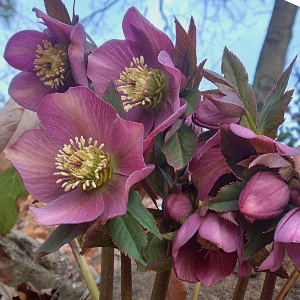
<point>192,98</point>
<point>136,208</point>
<point>180,148</point>
<point>57,10</point>
<point>260,234</point>
<point>128,236</point>
<point>272,115</point>
<point>156,252</point>
<point>113,98</point>
<point>11,186</point>
<point>235,73</point>
<point>63,234</point>
<point>228,197</point>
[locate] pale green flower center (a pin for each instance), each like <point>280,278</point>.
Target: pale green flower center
<point>205,244</point>
<point>52,64</point>
<point>141,86</point>
<point>83,166</point>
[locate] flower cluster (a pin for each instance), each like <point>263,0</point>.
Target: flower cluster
<point>127,118</point>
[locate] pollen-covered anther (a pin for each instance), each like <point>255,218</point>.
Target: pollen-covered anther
<point>83,166</point>
<point>140,85</point>
<point>52,64</point>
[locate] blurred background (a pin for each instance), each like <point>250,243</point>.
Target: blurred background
<point>264,34</point>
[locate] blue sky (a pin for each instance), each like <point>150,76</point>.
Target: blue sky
<point>240,25</point>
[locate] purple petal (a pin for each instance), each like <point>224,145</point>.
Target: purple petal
<point>275,259</point>
<point>107,62</point>
<point>20,51</point>
<point>60,31</point>
<point>74,207</point>
<point>242,131</point>
<point>76,113</point>
<point>293,250</point>
<point>218,231</point>
<point>264,197</point>
<point>36,165</point>
<point>284,149</point>
<point>28,90</point>
<point>144,38</point>
<point>126,146</point>
<point>288,229</point>
<point>76,52</point>
<point>177,206</point>
<point>207,115</point>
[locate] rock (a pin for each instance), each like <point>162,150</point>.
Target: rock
<point>52,271</point>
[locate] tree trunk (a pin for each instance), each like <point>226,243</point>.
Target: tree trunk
<point>272,57</point>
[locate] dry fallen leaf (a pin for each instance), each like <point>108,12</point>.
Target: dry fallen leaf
<point>4,266</point>
<point>14,120</point>
<point>297,160</point>
<point>177,289</point>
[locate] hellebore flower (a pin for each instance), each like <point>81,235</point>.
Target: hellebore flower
<point>205,249</point>
<point>218,108</point>
<point>84,160</point>
<point>286,238</point>
<point>143,72</point>
<point>50,62</point>
<point>264,197</point>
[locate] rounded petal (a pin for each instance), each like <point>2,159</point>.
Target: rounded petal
<point>284,149</point>
<point>264,197</point>
<point>242,131</point>
<point>275,259</point>
<point>77,55</point>
<point>74,207</point>
<point>288,228</point>
<point>218,231</point>
<point>144,38</point>
<point>28,90</point>
<point>125,146</point>
<point>107,62</point>
<point>75,113</point>
<point>20,51</point>
<point>33,155</point>
<point>292,250</point>
<point>60,31</point>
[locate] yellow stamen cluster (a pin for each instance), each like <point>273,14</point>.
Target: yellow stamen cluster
<point>141,86</point>
<point>52,64</point>
<point>83,166</point>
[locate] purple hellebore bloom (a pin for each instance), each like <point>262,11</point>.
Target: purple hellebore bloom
<point>264,197</point>
<point>142,69</point>
<point>218,108</point>
<point>286,238</point>
<point>177,206</point>
<point>205,249</point>
<point>50,62</point>
<point>83,162</point>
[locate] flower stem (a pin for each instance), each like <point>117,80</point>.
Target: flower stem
<point>160,286</point>
<point>286,288</point>
<point>251,122</point>
<point>85,270</point>
<point>241,287</point>
<point>196,291</point>
<point>268,287</point>
<point>107,273</point>
<point>126,279</point>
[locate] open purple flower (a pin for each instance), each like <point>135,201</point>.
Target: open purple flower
<point>84,161</point>
<point>286,239</point>
<point>143,72</point>
<point>205,249</point>
<point>50,62</point>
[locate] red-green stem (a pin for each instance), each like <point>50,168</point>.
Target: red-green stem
<point>268,287</point>
<point>126,279</point>
<point>160,286</point>
<point>286,288</point>
<point>241,287</point>
<point>107,273</point>
<point>85,270</point>
<point>251,122</point>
